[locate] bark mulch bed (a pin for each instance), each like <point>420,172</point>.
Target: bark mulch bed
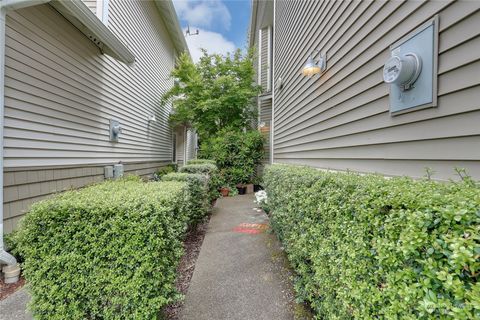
<point>191,245</point>
<point>8,289</point>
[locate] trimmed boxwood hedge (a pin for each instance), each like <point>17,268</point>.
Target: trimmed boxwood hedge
<point>108,251</point>
<point>211,171</point>
<point>197,196</point>
<point>367,247</point>
<point>201,161</point>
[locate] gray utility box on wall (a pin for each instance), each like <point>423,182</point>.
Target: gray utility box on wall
<point>118,170</point>
<point>411,70</point>
<point>115,130</point>
<point>108,172</point>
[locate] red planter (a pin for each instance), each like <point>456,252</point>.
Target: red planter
<point>225,192</point>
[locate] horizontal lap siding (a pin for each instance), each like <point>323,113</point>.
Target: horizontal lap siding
<point>264,61</point>
<point>342,121</point>
<point>266,118</point>
<point>191,145</point>
<point>25,186</point>
<point>61,92</point>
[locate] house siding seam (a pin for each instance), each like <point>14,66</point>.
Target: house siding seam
<point>341,120</point>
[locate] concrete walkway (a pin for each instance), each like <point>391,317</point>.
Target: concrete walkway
<point>14,306</point>
<point>240,272</point>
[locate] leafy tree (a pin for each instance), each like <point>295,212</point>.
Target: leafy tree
<point>215,93</point>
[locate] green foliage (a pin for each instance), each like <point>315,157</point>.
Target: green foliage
<point>366,247</point>
<point>11,245</point>
<point>109,251</point>
<point>236,153</point>
<point>164,170</point>
<point>211,171</point>
<point>205,168</point>
<point>217,92</point>
<point>197,203</point>
<point>201,161</point>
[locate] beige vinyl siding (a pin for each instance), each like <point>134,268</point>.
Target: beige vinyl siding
<point>264,60</point>
<point>266,119</point>
<point>91,4</point>
<point>25,186</point>
<point>61,92</point>
<point>191,144</point>
<point>341,120</point>
<point>180,147</point>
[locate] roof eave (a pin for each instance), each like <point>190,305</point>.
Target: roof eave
<point>88,23</point>
<point>253,21</point>
<point>169,15</point>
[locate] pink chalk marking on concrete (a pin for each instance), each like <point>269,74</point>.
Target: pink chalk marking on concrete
<point>251,228</point>
<point>247,231</point>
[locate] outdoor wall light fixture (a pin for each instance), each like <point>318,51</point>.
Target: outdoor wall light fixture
<point>152,118</point>
<point>313,67</point>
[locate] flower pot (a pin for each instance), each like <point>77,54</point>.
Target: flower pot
<point>257,187</point>
<point>241,190</point>
<point>224,192</point>
<point>250,188</point>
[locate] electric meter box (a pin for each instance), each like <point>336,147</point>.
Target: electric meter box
<point>117,170</point>
<point>411,71</point>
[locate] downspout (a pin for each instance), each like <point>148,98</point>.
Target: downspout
<point>6,5</point>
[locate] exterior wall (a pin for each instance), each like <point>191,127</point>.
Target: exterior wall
<point>265,117</point>
<point>191,144</point>
<point>180,145</point>
<point>260,37</point>
<point>61,93</point>
<point>265,54</point>
<point>341,120</point>
<point>25,186</point>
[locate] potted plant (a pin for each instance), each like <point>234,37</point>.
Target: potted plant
<point>242,189</point>
<point>222,183</point>
<point>225,191</point>
<point>257,181</point>
<point>239,176</point>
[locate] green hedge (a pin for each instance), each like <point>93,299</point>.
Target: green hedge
<point>164,170</point>
<point>366,247</point>
<point>236,153</point>
<point>109,251</point>
<point>197,196</point>
<point>201,161</point>
<point>211,171</point>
